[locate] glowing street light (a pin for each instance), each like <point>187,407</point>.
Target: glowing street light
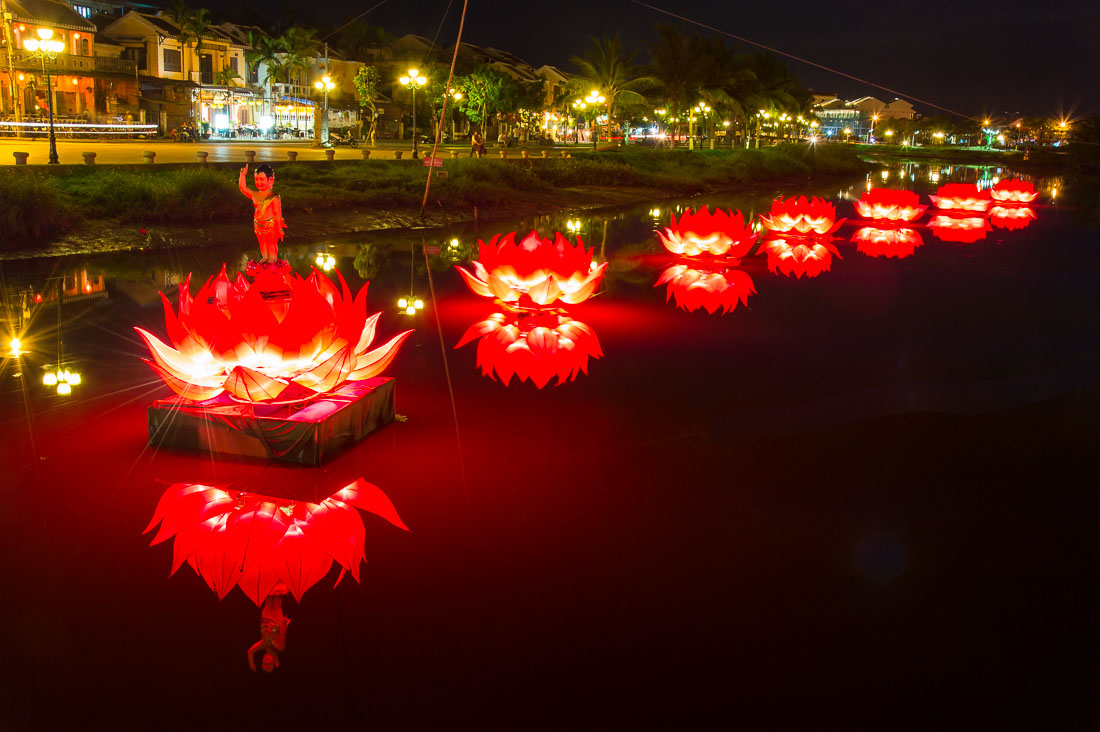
<point>45,49</point>
<point>414,81</point>
<point>594,97</point>
<point>324,85</point>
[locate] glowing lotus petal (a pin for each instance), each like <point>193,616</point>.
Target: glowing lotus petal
<point>252,541</point>
<point>1014,191</point>
<point>231,337</point>
<point>959,229</point>
<point>961,197</point>
<point>693,288</point>
<point>801,216</point>
<point>888,242</point>
<point>701,232</point>
<point>536,271</point>
<point>887,204</point>
<point>533,346</point>
<point>800,257</point>
<point>1012,217</point>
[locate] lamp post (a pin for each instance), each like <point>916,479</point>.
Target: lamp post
<point>326,85</point>
<point>594,98</point>
<point>579,106</point>
<point>45,49</point>
<point>414,81</point>
<point>871,134</point>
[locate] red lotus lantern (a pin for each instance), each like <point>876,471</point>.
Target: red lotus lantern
<point>800,257</point>
<point>536,272</point>
<point>701,232</point>
<point>721,288</point>
<point>535,346</point>
<point>887,204</point>
<point>1014,191</point>
<point>234,538</point>
<point>961,197</point>
<point>889,242</point>
<point>1011,218</point>
<point>802,216</point>
<point>959,229</point>
<point>305,339</point>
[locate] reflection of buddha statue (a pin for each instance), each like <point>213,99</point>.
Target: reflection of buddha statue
<point>273,626</point>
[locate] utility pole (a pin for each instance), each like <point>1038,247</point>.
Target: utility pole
<point>5,17</point>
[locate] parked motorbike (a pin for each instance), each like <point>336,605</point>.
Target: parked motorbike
<point>338,137</point>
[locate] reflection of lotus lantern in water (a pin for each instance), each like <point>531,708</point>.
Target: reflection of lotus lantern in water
<point>1012,217</point>
<point>535,346</point>
<point>252,541</point>
<point>536,271</point>
<point>959,229</point>
<point>961,197</point>
<point>1013,191</point>
<point>887,204</point>
<point>888,242</point>
<point>801,216</point>
<point>309,340</point>
<point>695,285</point>
<point>798,257</point>
<point>720,234</point>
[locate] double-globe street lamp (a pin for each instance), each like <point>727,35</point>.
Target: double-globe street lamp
<point>414,81</point>
<point>45,49</point>
<point>326,85</point>
<point>594,98</point>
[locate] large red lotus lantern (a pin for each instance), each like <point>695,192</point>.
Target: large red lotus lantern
<point>234,538</point>
<point>535,346</point>
<point>1012,218</point>
<point>800,257</point>
<point>887,204</point>
<point>231,337</point>
<point>801,216</point>
<point>959,229</point>
<point>721,234</point>
<point>1014,191</point>
<point>536,271</point>
<point>961,197</point>
<point>889,242</point>
<point>695,286</point>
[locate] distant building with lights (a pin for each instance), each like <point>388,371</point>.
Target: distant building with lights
<point>855,119</point>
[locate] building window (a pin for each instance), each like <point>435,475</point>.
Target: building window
<point>83,46</point>
<point>173,60</point>
<point>137,55</point>
<point>84,10</point>
<point>233,65</point>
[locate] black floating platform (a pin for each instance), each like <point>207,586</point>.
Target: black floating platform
<point>308,434</point>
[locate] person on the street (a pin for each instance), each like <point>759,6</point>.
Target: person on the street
<point>477,144</point>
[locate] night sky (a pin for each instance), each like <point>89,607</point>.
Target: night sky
<point>976,59</point>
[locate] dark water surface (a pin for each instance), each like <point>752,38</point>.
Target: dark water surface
<point>865,499</point>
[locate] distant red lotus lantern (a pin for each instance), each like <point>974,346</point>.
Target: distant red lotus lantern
<point>800,257</point>
<point>1014,191</point>
<point>695,286</point>
<point>535,346</point>
<point>536,272</point>
<point>961,197</point>
<point>801,216</point>
<point>887,204</point>
<point>232,337</point>
<point>721,234</point>
<point>1012,218</point>
<point>889,242</point>
<point>234,538</point>
<point>959,229</point>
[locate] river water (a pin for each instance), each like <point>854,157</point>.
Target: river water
<point>868,490</point>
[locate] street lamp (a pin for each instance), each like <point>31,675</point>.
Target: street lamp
<point>326,85</point>
<point>594,98</point>
<point>414,81</point>
<point>45,49</point>
<point>702,109</point>
<point>871,134</point>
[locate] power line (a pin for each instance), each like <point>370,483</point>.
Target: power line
<point>799,59</point>
<point>356,18</point>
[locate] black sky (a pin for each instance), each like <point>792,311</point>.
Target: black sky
<point>1006,57</point>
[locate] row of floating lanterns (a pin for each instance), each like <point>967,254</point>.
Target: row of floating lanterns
<point>530,335</point>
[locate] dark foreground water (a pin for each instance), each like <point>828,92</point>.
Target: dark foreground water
<point>864,500</point>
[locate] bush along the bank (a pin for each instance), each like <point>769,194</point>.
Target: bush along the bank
<point>186,195</point>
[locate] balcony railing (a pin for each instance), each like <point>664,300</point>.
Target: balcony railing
<point>111,63</point>
<point>67,63</point>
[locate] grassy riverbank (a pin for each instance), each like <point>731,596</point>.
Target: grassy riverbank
<point>35,205</point>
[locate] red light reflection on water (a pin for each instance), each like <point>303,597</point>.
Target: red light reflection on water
<point>800,257</point>
<point>1012,218</point>
<point>694,285</point>
<point>535,345</point>
<point>959,229</point>
<point>890,242</point>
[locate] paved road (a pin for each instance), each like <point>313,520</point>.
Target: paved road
<point>130,151</point>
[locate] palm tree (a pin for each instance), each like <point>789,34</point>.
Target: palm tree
<point>607,69</point>
<point>268,52</point>
<point>301,48</point>
<point>676,68</point>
